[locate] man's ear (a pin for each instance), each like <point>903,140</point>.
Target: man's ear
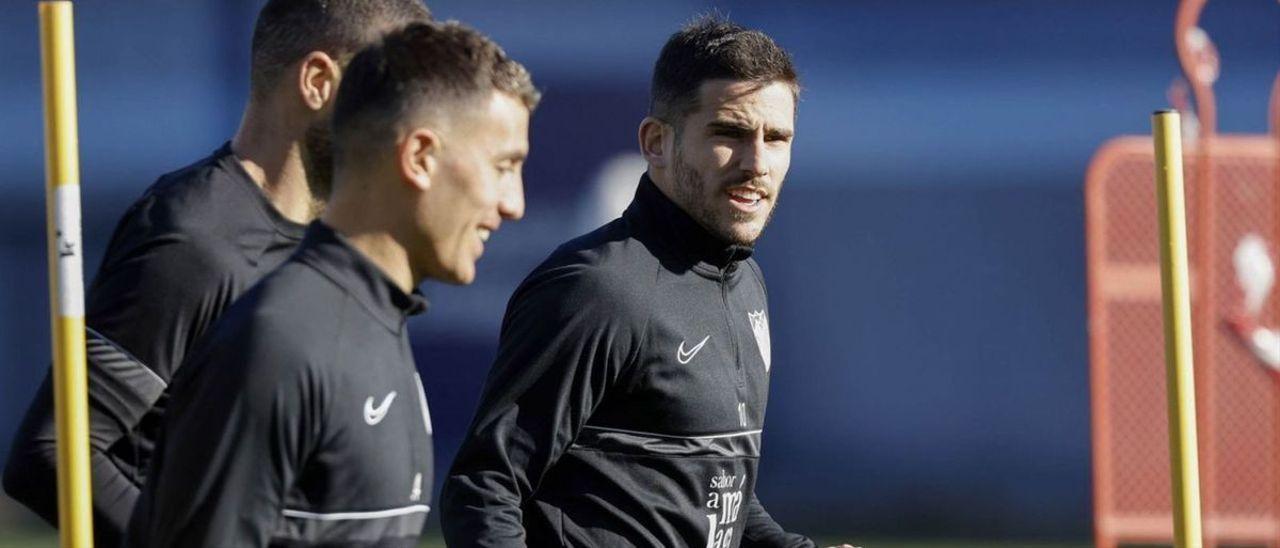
<point>318,76</point>
<point>417,157</point>
<point>657,141</point>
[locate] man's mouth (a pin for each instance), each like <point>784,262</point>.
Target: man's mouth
<point>746,198</point>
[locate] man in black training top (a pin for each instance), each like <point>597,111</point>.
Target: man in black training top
<point>628,395</point>
<point>300,419</point>
<point>193,242</point>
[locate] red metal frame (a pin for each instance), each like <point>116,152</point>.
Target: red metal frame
<point>1116,281</point>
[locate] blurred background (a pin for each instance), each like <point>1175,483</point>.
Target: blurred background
<point>926,265</point>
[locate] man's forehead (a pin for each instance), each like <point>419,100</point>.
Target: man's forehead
<point>748,102</point>
<point>497,109</point>
<point>496,122</point>
<point>510,124</point>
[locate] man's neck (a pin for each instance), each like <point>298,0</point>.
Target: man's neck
<point>359,222</point>
<point>270,151</point>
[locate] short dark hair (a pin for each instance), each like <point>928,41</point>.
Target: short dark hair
<point>422,66</point>
<point>287,30</point>
<point>712,48</point>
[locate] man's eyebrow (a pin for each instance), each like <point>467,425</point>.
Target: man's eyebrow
<point>732,125</point>
<point>777,132</point>
<point>514,155</point>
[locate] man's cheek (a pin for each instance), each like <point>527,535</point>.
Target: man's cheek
<point>723,156</point>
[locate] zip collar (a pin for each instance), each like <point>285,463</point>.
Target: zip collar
<point>329,253</point>
<point>681,242</point>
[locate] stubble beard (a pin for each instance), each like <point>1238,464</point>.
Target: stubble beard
<point>694,193</point>
<point>317,159</point>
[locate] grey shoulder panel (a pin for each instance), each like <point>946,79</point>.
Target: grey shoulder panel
<point>120,383</point>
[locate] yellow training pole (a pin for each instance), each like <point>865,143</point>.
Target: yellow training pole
<point>66,284</point>
<point>1177,329</point>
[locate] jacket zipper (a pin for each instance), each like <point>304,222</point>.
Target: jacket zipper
<point>728,319</point>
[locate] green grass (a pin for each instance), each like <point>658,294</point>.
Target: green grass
<point>28,540</point>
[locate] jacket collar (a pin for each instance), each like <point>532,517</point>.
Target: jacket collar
<point>680,236</point>
<point>329,253</point>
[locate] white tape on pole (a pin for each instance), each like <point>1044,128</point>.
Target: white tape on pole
<point>66,221</point>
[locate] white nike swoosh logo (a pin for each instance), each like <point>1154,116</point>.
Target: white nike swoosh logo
<point>374,415</point>
<point>683,357</point>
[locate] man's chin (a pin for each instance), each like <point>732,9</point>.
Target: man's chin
<point>746,231</point>
<point>462,276</point>
<point>732,227</point>
<point>740,235</point>
<point>452,275</point>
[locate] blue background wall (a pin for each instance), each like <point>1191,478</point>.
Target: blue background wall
<point>926,264</point>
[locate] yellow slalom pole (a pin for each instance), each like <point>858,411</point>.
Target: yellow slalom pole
<point>66,283</point>
<point>1184,460</point>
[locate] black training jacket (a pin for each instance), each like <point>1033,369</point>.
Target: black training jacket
<point>627,399</point>
<point>193,242</point>
<point>299,420</point>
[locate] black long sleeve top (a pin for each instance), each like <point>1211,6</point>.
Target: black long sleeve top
<point>300,420</point>
<point>626,403</point>
<point>195,240</point>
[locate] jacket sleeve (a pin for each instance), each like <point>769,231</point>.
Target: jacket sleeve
<point>31,473</point>
<point>240,423</point>
<point>151,296</point>
<point>762,532</point>
<point>567,337</point>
